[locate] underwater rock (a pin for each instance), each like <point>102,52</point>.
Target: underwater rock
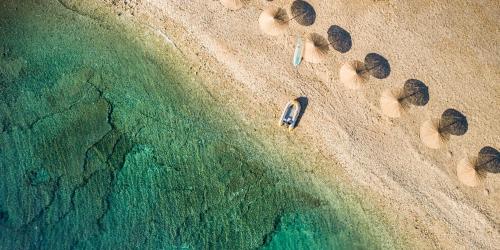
<point>4,216</point>
<point>10,67</point>
<point>38,177</point>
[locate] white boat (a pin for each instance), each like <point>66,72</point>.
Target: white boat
<point>290,115</point>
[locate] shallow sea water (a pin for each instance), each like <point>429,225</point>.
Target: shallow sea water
<point>103,145</point>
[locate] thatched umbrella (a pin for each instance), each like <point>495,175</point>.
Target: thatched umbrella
<point>303,13</point>
<point>339,38</point>
<point>273,21</point>
<point>352,74</point>
<point>315,48</point>
<point>394,102</point>
<point>430,136</point>
<point>377,65</point>
<point>232,4</point>
<point>390,104</point>
<point>470,171</point>
<point>434,133</point>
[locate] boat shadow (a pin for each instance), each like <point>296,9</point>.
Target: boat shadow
<point>304,101</point>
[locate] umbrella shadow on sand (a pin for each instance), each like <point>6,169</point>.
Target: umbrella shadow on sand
<point>303,12</point>
<point>339,38</point>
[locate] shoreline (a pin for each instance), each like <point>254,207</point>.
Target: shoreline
<point>127,165</point>
<point>427,196</point>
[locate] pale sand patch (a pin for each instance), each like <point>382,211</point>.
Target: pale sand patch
<point>452,46</point>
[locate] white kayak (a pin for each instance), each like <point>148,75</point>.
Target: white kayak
<point>297,55</point>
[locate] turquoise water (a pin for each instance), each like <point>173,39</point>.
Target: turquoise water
<point>103,144</point>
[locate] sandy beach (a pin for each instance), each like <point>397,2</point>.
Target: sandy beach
<point>452,46</point>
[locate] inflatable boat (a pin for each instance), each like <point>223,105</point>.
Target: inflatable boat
<point>290,115</point>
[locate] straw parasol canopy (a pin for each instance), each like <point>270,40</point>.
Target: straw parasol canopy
<point>471,171</point>
<point>390,104</point>
<point>273,21</point>
<point>377,65</point>
<point>468,173</point>
<point>352,75</point>
<point>394,102</point>
<point>315,48</point>
<point>303,13</point>
<point>435,133</point>
<point>488,160</point>
<point>339,38</point>
<point>232,4</point>
<point>430,135</point>
<point>453,122</point>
